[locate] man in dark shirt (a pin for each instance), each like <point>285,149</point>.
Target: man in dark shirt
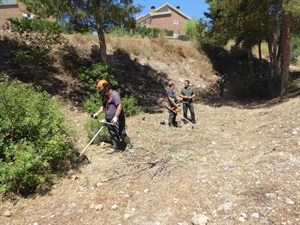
<point>188,94</point>
<point>114,114</point>
<point>173,104</point>
<point>165,104</point>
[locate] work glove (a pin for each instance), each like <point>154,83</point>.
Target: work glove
<point>95,116</point>
<point>114,120</point>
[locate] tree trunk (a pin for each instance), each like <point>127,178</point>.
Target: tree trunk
<point>286,53</point>
<point>259,52</point>
<point>250,60</point>
<point>272,56</point>
<point>102,43</point>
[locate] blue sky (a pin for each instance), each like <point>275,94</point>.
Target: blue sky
<point>192,8</point>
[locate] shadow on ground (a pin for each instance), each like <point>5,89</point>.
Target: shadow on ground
<point>235,67</point>
<point>57,74</point>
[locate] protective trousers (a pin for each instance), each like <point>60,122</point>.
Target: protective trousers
<point>118,133</point>
<point>172,118</point>
<point>188,106</point>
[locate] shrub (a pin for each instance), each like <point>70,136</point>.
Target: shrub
<point>130,105</point>
<point>92,126</point>
<point>256,85</point>
<point>90,76</point>
<point>35,142</point>
<point>35,40</point>
<point>295,48</point>
<point>40,25</point>
<point>151,32</point>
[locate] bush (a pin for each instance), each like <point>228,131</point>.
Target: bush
<point>295,48</point>
<point>34,39</point>
<point>256,85</point>
<point>130,105</point>
<point>35,142</point>
<point>90,76</point>
<point>151,32</point>
<point>40,25</point>
<point>92,126</point>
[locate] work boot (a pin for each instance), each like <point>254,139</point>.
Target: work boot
<point>115,146</point>
<point>127,142</point>
<point>128,147</point>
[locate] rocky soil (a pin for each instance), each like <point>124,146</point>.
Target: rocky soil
<point>236,166</point>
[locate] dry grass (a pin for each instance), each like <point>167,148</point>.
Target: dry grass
<point>226,166</point>
<point>155,48</point>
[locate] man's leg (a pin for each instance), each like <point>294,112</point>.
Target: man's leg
<point>113,131</point>
<point>192,113</point>
<point>184,109</point>
<point>123,134</point>
<point>174,120</point>
<point>172,117</point>
<point>126,139</point>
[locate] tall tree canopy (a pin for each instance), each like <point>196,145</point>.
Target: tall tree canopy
<point>250,22</point>
<point>98,14</point>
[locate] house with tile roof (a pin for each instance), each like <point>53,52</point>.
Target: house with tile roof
<point>165,17</point>
<point>11,9</point>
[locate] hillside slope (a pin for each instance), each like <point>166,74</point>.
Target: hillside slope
<point>237,165</point>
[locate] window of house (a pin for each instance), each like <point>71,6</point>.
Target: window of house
<point>142,24</point>
<point>148,21</point>
<point>8,1</point>
<point>175,22</point>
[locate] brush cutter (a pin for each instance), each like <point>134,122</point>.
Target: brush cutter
<point>103,122</point>
<point>179,115</point>
<point>91,141</point>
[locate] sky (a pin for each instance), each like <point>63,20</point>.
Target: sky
<point>192,8</point>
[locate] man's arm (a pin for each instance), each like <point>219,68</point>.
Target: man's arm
<point>119,109</point>
<point>193,94</point>
<point>172,101</point>
<point>100,110</point>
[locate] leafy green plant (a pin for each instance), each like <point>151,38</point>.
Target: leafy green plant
<point>151,32</point>
<point>39,25</point>
<point>190,28</point>
<point>256,85</point>
<point>35,39</point>
<point>35,141</point>
<point>295,48</point>
<point>92,126</point>
<point>89,77</point>
<point>130,105</point>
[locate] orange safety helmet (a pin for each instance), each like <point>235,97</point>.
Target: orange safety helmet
<point>102,84</point>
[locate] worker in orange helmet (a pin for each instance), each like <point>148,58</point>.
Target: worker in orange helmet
<point>114,115</point>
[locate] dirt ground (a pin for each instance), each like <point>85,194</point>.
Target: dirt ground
<point>234,166</point>
<point>239,164</point>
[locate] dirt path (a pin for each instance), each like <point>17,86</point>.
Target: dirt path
<point>235,166</point>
